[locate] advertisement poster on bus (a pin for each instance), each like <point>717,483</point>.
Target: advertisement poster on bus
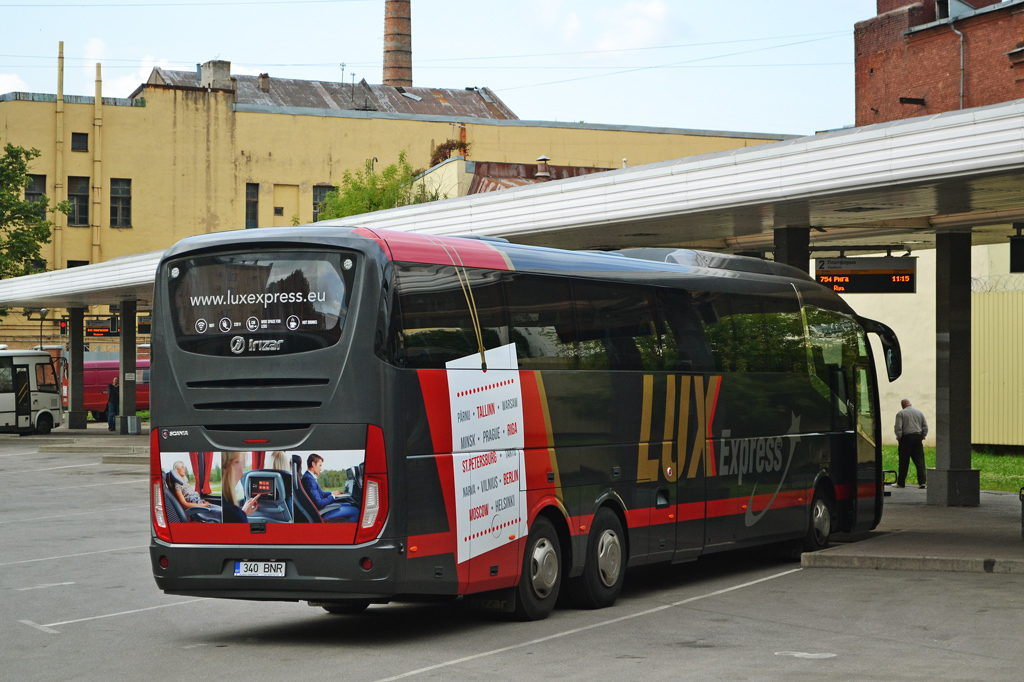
<point>268,487</point>
<point>487,439</point>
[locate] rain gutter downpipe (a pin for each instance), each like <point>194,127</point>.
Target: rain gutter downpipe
<point>952,25</point>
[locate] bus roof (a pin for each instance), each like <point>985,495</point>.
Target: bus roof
<point>473,251</point>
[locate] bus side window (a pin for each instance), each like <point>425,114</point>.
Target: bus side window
<point>685,346</point>
<point>6,375</point>
<point>541,321</point>
<point>46,380</point>
<point>761,333</point>
<point>834,349</point>
<point>616,326</point>
<point>437,326</point>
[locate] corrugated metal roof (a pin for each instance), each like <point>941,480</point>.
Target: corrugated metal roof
<point>361,96</point>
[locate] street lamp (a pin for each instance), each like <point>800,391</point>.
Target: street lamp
<point>42,316</point>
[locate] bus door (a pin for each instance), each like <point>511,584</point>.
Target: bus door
<point>868,457</point>
<point>22,398</point>
<point>694,448</point>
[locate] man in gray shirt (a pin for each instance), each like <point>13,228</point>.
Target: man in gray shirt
<point>911,429</point>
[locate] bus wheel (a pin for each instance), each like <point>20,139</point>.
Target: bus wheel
<point>819,527</point>
<point>99,416</point>
<point>346,608</point>
<point>44,425</point>
<point>542,572</point>
<point>605,567</point>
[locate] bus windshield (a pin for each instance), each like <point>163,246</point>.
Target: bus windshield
<point>297,300</point>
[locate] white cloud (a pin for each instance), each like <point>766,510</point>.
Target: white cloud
<point>637,23</point>
<point>551,16</point>
<point>122,86</point>
<point>11,82</point>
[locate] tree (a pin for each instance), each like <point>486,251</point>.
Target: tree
<point>23,224</point>
<point>367,190</point>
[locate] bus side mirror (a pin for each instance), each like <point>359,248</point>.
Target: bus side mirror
<point>890,346</point>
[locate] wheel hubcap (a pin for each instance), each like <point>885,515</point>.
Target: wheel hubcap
<point>821,519</point>
<point>543,568</point>
<point>609,558</point>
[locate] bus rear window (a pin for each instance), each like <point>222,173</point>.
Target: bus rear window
<point>246,304</point>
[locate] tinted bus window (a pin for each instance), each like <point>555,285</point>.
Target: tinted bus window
<point>541,319</point>
<point>754,333</point>
<point>616,326</point>
<point>836,343</point>
<point>685,345</point>
<point>295,301</point>
<point>436,323</point>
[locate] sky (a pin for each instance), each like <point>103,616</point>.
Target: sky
<point>781,66</point>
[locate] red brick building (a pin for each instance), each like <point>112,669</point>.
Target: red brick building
<point>929,56</point>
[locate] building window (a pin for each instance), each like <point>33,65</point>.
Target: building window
<point>35,190</point>
<point>77,263</point>
<point>319,196</point>
<point>120,202</point>
<point>279,210</point>
<point>78,195</point>
<point>79,142</point>
<point>252,205</point>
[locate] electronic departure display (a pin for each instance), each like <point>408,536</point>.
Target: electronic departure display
<point>885,275</point>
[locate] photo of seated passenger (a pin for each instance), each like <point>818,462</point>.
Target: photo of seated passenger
<point>323,499</point>
<point>184,491</point>
<point>279,460</point>
<point>236,508</point>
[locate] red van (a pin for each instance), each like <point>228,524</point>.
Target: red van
<point>98,374</point>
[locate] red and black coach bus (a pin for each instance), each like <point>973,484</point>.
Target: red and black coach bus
<point>493,419</point>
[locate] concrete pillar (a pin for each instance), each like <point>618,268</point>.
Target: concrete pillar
<point>76,371</point>
<point>127,365</point>
<point>793,247</point>
<point>953,482</point>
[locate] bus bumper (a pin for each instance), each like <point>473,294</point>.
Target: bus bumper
<point>372,572</point>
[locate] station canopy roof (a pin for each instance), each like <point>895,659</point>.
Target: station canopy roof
<point>890,185</point>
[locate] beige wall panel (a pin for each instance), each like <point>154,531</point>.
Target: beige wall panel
<point>286,197</point>
<point>997,368</point>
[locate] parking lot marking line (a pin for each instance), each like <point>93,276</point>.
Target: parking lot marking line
<point>36,471</point>
<point>37,626</point>
<point>20,454</point>
<point>121,613</point>
<point>41,587</point>
<point>592,626</point>
<point>64,516</point>
<point>96,485</point>
<point>72,556</point>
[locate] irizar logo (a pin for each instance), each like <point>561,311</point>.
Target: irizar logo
<point>238,345</point>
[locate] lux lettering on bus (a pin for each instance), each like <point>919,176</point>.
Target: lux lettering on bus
<point>677,420</point>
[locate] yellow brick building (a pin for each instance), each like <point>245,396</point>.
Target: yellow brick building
<point>192,152</point>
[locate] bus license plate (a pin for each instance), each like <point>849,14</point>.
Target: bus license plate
<point>264,569</point>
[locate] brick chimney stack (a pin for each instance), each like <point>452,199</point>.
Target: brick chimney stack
<point>397,43</point>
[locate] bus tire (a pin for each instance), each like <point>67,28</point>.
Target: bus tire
<point>99,416</point>
<point>819,523</point>
<point>541,577</point>
<point>604,568</point>
<point>346,608</point>
<point>44,424</point>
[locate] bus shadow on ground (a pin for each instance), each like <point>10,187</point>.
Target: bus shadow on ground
<point>417,622</point>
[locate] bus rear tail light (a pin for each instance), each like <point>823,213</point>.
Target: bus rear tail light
<point>156,476</point>
<point>375,487</point>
